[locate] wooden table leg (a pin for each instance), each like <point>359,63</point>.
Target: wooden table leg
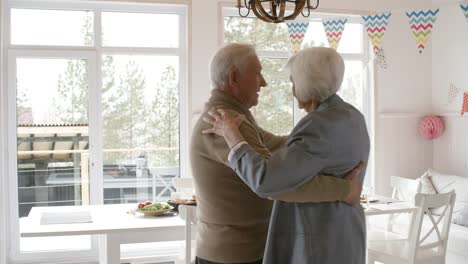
<point>109,249</point>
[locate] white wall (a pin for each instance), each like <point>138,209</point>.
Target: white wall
<point>403,95</point>
<point>450,63</point>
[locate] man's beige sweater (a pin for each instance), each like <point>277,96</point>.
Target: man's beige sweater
<point>233,220</point>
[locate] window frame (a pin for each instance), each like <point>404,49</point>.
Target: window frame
<point>93,54</point>
<point>364,57</point>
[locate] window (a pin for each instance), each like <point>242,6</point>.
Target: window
<point>97,117</point>
<point>277,111</point>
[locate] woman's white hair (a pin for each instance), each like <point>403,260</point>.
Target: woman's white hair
<point>235,55</point>
<point>317,73</point>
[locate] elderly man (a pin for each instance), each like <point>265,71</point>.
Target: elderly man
<point>232,219</point>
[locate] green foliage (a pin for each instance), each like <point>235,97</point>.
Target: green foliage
<point>23,103</point>
<point>71,103</point>
<point>265,36</point>
<point>87,30</point>
<point>111,126</point>
<point>165,119</point>
<point>124,109</point>
<point>131,122</point>
<point>351,90</point>
<point>274,110</point>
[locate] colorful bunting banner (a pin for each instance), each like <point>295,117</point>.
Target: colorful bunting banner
<point>465,10</point>
<point>296,34</point>
<point>422,22</point>
<point>465,104</point>
<point>334,30</point>
<point>452,93</point>
<point>376,26</point>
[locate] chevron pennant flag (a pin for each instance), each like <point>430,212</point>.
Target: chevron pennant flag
<point>296,34</point>
<point>376,26</point>
<point>422,22</point>
<point>452,93</point>
<point>334,30</point>
<point>465,103</point>
<point>465,10</point>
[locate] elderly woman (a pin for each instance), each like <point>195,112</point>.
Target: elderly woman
<point>330,140</point>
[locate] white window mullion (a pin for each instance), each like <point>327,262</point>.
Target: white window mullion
<point>88,5</point>
<point>11,159</point>
<point>4,199</point>
<point>142,51</point>
<point>95,119</point>
<point>183,98</point>
<point>95,134</point>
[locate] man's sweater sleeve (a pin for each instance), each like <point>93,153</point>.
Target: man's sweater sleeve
<point>318,189</point>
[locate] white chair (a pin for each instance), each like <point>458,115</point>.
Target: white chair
<point>163,177</point>
<point>428,246</point>
<point>404,189</point>
<point>180,183</point>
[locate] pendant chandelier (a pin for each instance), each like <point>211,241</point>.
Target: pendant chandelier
<point>276,11</point>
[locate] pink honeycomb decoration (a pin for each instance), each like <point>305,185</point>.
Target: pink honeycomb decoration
<point>431,127</point>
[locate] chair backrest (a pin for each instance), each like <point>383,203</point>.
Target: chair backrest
<point>162,184</point>
<point>404,189</point>
<point>183,183</point>
<point>440,224</point>
<point>169,172</point>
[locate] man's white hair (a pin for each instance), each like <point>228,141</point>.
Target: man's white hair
<point>317,73</point>
<point>235,55</point>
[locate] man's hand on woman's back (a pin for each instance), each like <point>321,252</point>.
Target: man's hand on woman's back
<point>354,195</point>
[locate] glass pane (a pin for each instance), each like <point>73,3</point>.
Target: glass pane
<point>352,88</point>
<point>315,35</point>
<point>52,139</point>
<point>52,27</point>
<point>275,106</point>
<point>265,36</point>
<point>140,99</point>
<point>140,30</point>
<point>351,41</point>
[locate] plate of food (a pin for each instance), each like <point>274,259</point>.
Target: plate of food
<point>176,202</point>
<point>368,199</point>
<point>153,209</point>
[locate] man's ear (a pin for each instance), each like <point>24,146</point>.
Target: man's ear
<point>232,77</point>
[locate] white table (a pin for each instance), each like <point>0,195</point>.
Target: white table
<point>113,226</point>
<point>388,206</point>
<point>394,207</point>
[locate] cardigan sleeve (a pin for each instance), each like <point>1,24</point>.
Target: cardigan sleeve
<point>305,155</point>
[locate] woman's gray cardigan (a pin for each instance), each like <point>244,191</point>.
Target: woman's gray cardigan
<point>329,141</point>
